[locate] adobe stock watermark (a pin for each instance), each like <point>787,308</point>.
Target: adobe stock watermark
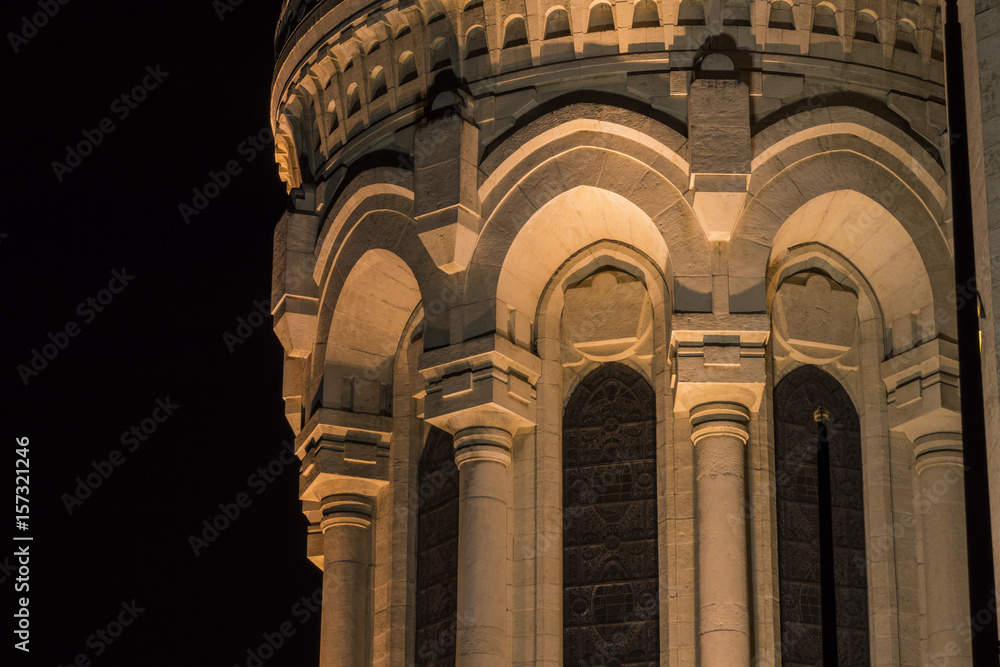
<point>32,23</point>
<point>225,7</point>
<point>218,181</point>
<point>258,481</point>
<point>88,309</point>
<point>102,638</point>
<point>121,107</point>
<point>245,326</point>
<point>302,611</point>
<point>131,440</point>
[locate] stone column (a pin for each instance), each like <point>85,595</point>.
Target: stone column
<point>720,382</point>
<point>345,464</point>
<point>719,432</point>
<point>941,502</point>
<point>347,547</point>
<point>482,392</point>
<point>924,404</point>
<point>483,456</point>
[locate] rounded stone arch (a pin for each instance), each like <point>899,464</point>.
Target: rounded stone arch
<point>368,252</point>
<point>373,306</point>
<point>618,161</point>
<point>529,252</point>
<point>843,198</point>
<point>832,128</point>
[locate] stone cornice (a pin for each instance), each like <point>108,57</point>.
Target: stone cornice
<point>486,381</point>
<point>343,452</point>
<point>719,358</point>
<point>923,390</point>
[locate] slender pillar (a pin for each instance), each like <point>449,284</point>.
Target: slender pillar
<point>482,456</point>
<point>941,504</point>
<point>347,523</point>
<point>720,435</point>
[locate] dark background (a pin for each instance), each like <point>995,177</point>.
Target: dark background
<point>161,337</point>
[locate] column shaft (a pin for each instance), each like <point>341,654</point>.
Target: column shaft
<point>482,456</point>
<point>720,435</point>
<point>941,501</point>
<point>347,522</point>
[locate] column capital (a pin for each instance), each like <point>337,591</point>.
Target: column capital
<point>936,449</point>
<point>922,390</point>
<point>720,418</point>
<point>483,444</point>
<point>484,382</point>
<point>345,509</point>
<point>719,358</point>
<point>343,453</point>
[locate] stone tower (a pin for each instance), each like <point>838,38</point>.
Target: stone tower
<point>622,332</point>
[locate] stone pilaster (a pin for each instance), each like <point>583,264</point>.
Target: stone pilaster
<point>720,382</point>
<point>922,385</point>
<point>482,392</point>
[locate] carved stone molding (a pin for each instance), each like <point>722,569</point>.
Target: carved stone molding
<point>343,452</point>
<point>922,390</point>
<point>719,358</point>
<point>485,382</point>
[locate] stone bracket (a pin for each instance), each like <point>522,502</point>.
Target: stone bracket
<point>343,452</point>
<point>446,190</point>
<point>294,294</point>
<point>479,382</point>
<point>922,389</point>
<point>718,358</point>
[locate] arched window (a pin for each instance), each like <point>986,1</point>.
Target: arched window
<point>781,16</point>
<point>822,568</point>
<point>378,86</point>
<point>353,100</point>
<point>610,594</point>
<point>864,29</point>
<point>437,552</point>
<point>557,24</point>
<point>736,13</point>
<point>601,18</point>
<point>440,56</point>
<point>331,109</point>
<point>407,68</point>
<point>905,36</point>
<point>516,33</point>
<point>475,42</point>
<point>691,12</point>
<point>824,19</point>
<point>645,15</point>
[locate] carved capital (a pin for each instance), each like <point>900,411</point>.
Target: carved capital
<point>719,358</point>
<point>343,453</point>
<point>485,382</point>
<point>922,390</point>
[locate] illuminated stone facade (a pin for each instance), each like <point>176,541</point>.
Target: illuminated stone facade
<point>602,320</point>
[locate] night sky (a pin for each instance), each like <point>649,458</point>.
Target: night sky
<point>121,314</point>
